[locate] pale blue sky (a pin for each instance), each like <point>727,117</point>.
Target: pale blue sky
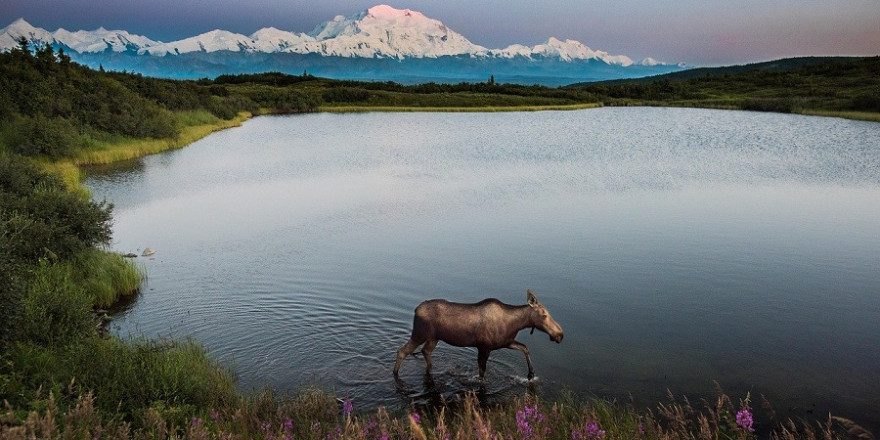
<point>697,32</point>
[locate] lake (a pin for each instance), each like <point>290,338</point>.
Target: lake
<point>677,248</point>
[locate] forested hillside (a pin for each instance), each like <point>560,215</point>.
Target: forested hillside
<point>52,107</point>
<point>800,85</point>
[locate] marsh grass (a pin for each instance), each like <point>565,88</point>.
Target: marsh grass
<point>859,116</point>
<point>194,126</point>
<point>106,276</point>
<point>133,381</point>
<point>475,109</point>
<point>316,415</point>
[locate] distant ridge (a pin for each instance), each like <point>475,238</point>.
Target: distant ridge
<point>780,65</point>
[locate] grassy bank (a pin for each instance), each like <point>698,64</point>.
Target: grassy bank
<point>195,125</point>
<point>486,109</point>
<point>858,116</point>
<point>316,415</point>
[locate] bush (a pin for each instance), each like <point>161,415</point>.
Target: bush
<point>42,219</point>
<point>346,94</point>
<point>866,103</point>
<point>780,105</point>
<point>54,138</point>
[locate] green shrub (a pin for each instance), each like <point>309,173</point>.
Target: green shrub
<point>866,103</point>
<point>54,138</point>
<point>40,218</point>
<point>345,94</point>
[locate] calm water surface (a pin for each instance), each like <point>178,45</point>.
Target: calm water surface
<point>676,247</point>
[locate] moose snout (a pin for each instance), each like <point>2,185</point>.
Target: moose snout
<point>557,338</point>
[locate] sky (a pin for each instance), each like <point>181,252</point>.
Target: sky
<point>694,32</point>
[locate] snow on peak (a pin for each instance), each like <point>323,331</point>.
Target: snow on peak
<point>383,31</point>
<point>102,39</point>
<point>81,41</point>
<point>378,32</point>
<point>10,35</point>
<point>211,41</point>
<point>567,50</point>
<point>386,12</point>
<point>275,40</point>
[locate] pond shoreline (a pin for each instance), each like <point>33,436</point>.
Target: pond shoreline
<point>137,148</point>
<point>388,162</point>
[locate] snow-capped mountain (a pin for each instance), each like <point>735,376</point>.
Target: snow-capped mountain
<point>98,40</point>
<point>378,33</point>
<point>567,50</point>
<point>383,31</point>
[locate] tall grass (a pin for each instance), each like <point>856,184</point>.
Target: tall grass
<point>315,415</point>
<point>195,125</point>
<point>859,116</point>
<point>106,276</point>
<point>132,381</point>
<point>476,109</point>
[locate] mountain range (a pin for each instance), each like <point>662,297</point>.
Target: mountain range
<point>380,43</point>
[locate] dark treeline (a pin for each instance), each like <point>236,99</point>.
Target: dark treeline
<point>52,107</point>
<point>358,91</point>
<point>834,85</point>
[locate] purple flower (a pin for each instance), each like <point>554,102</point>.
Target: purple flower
<point>416,418</point>
<point>215,415</point>
<point>288,424</point>
<point>593,432</point>
<point>347,406</point>
<point>196,421</point>
<point>526,418</point>
<point>744,420</point>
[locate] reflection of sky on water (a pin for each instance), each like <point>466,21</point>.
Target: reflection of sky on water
<point>677,247</point>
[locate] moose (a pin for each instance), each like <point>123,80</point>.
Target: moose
<point>487,325</point>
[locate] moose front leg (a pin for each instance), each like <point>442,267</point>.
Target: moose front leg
<point>482,358</point>
<point>522,347</point>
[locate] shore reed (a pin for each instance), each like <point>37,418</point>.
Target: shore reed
<point>316,415</point>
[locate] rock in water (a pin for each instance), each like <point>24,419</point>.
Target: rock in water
<point>147,252</point>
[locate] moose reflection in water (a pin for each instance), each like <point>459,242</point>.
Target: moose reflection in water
<point>487,325</point>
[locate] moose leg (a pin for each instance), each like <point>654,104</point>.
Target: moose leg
<point>522,347</point>
<point>407,348</point>
<point>482,358</point>
<point>427,350</point>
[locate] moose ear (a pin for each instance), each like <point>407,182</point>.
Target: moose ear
<point>533,300</point>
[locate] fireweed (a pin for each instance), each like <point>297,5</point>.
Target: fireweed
<point>531,423</point>
<point>591,431</point>
<point>319,417</point>
<point>744,420</point>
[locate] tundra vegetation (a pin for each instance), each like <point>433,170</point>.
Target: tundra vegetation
<point>62,376</point>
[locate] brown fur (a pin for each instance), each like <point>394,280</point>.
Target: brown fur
<point>487,325</point>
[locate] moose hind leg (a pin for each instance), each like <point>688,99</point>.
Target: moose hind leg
<point>522,347</point>
<point>427,350</point>
<point>407,348</point>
